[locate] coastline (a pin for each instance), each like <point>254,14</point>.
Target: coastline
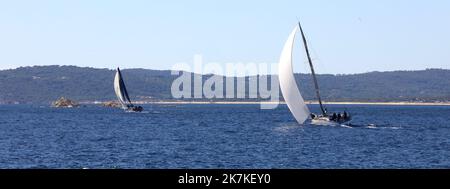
<point>307,102</point>
<point>262,102</point>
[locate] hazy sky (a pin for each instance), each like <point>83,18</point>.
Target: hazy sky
<point>345,36</point>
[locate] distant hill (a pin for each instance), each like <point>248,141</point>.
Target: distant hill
<point>43,84</point>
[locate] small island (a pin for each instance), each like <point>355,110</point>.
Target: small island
<point>64,103</point>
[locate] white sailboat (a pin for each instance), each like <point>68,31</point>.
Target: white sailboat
<point>291,92</point>
<point>122,94</point>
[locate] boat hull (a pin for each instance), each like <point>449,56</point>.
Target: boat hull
<point>324,120</point>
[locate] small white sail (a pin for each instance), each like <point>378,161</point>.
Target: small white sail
<point>288,85</point>
<point>121,91</point>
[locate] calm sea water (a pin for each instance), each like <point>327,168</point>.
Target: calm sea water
<point>222,136</point>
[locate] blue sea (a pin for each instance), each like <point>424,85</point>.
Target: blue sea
<point>222,136</point>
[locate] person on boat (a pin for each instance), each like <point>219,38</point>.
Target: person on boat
<point>135,108</point>
<point>339,116</point>
<point>345,115</point>
<point>333,118</point>
<point>313,116</point>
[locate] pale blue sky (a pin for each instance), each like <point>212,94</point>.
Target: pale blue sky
<point>346,36</point>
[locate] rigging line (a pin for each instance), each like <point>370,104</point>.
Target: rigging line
<point>312,70</point>
<point>316,59</point>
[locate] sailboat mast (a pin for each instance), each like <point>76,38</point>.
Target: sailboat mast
<point>316,84</point>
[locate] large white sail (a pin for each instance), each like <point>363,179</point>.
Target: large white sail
<point>288,85</point>
<point>121,91</point>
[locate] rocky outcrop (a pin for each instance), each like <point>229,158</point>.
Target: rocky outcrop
<point>113,104</point>
<point>64,103</point>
